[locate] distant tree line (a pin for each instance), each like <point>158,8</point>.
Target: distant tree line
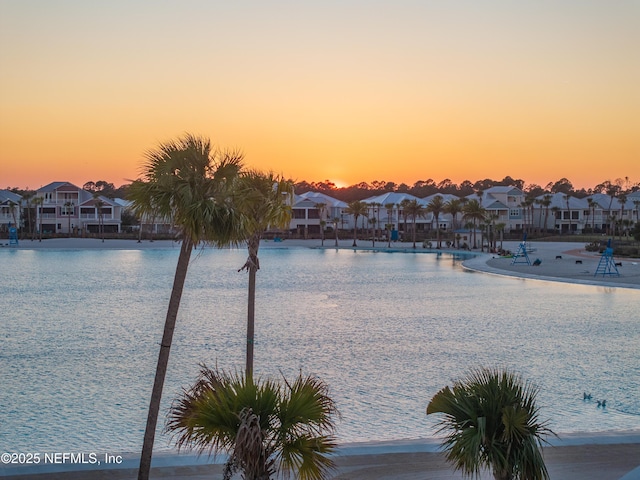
<point>420,189</point>
<point>425,188</point>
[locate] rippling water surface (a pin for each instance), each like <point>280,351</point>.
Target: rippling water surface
<point>79,334</point>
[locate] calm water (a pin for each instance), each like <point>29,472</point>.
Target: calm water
<point>79,334</point>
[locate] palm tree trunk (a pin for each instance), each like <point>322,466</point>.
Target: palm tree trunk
<point>413,233</point>
<point>355,232</point>
<point>502,475</point>
<point>251,315</point>
<point>252,265</point>
<point>163,357</point>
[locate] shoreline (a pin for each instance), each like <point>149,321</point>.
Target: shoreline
<point>599,456</point>
<point>565,262</point>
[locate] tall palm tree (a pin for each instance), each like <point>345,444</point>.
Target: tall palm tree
<point>37,202</point>
<point>491,420</point>
<point>357,209</point>
<point>414,210</point>
<point>68,206</point>
<point>556,211</point>
<point>436,206</point>
<point>321,206</point>
<point>453,207</point>
<point>13,207</point>
<point>335,221</point>
<point>267,428</point>
<point>187,181</point>
<point>264,200</point>
<point>546,202</point>
<point>622,200</point>
<point>567,197</point>
<point>500,228</point>
<point>402,207</point>
<point>389,208</point>
<point>99,204</point>
<point>28,197</point>
<point>372,222</point>
<point>474,212</point>
<point>592,207</point>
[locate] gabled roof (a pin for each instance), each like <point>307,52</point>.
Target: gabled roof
<point>319,197</point>
<point>86,198</point>
<point>53,186</point>
<point>559,200</point>
<point>7,196</point>
<point>602,199</point>
<point>392,197</point>
<point>446,197</point>
<point>301,201</point>
<point>510,190</point>
<point>496,205</point>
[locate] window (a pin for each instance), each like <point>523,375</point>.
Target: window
<point>313,213</point>
<point>67,210</point>
<point>575,215</point>
<point>299,213</point>
<point>565,215</point>
<point>514,213</point>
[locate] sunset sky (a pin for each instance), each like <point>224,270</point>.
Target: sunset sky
<point>348,91</point>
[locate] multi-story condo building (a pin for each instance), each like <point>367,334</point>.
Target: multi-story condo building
<point>68,209</point>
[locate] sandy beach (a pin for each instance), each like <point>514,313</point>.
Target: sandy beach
<point>601,457</point>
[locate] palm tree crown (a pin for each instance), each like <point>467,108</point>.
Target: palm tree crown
<point>266,427</point>
<point>491,420</point>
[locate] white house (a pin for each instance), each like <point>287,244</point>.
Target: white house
<point>506,204</point>
<point>564,213</point>
<point>69,209</point>
<point>10,211</point>
<point>311,208</point>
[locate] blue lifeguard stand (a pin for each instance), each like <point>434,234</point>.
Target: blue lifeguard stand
<point>521,256</point>
<point>607,265</point>
<point>13,235</point>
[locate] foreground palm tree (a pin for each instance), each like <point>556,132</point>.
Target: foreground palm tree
<point>264,200</point>
<point>491,420</point>
<point>188,182</point>
<point>267,428</point>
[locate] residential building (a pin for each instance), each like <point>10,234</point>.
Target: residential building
<point>306,214</point>
<point>615,212</point>
<point>396,216</point>
<point>70,210</point>
<point>564,214</point>
<point>506,205</point>
<point>10,211</point>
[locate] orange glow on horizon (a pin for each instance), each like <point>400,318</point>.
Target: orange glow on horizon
<point>317,93</point>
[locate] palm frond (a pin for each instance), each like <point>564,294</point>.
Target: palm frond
<point>491,420</point>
